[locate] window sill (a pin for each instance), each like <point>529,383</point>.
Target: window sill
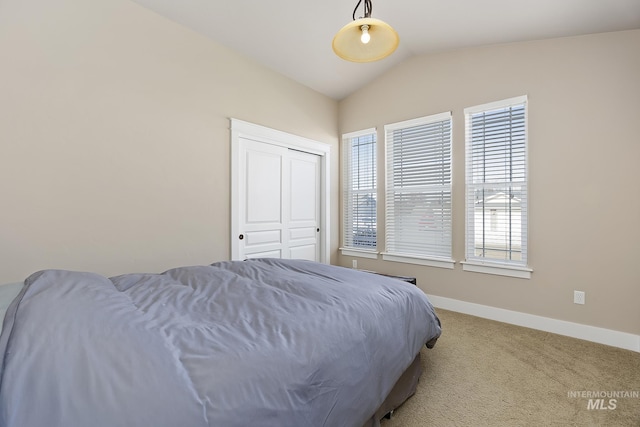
<point>497,269</point>
<point>361,253</point>
<point>411,259</point>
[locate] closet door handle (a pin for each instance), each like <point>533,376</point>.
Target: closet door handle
<point>241,236</point>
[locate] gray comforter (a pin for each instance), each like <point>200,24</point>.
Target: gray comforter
<point>255,343</point>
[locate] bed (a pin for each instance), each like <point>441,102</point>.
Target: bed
<point>263,342</point>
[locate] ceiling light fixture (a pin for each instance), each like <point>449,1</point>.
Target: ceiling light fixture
<point>365,39</point>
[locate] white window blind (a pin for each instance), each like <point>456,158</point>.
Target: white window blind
<point>418,191</point>
<point>359,190</point>
<point>496,182</point>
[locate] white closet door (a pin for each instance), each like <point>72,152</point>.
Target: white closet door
<point>304,205</point>
<point>279,202</point>
<point>262,220</point>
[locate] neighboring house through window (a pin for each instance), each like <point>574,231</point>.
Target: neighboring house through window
<point>418,191</point>
<point>359,194</point>
<point>496,188</point>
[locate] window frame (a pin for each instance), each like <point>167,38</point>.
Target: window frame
<point>518,269</point>
<point>431,260</point>
<point>347,192</point>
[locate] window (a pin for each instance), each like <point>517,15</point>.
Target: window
<point>418,192</point>
<point>496,188</point>
<point>359,193</point>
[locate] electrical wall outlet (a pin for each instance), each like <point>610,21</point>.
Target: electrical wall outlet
<point>579,297</point>
<point>354,263</point>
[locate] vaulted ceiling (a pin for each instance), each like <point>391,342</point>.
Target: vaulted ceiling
<point>294,37</point>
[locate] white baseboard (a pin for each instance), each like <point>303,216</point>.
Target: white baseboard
<point>576,330</point>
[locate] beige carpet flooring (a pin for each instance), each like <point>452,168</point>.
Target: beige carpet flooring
<point>487,373</point>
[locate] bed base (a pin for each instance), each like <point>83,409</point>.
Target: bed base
<point>404,388</point>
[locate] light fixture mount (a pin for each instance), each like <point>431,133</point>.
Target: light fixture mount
<point>365,39</point>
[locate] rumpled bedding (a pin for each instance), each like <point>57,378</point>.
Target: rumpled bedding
<point>264,342</point>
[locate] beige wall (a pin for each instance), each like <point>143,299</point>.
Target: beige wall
<point>114,139</point>
<point>584,108</point>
